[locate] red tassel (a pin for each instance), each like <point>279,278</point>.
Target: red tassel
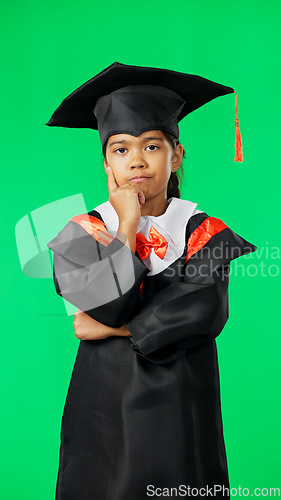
<point>238,141</point>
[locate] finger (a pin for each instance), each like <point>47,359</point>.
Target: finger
<point>141,197</point>
<point>111,180</point>
<point>135,187</point>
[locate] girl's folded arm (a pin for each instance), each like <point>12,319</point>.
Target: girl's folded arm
<point>103,281</point>
<point>182,315</point>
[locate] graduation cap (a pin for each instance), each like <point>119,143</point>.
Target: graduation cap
<point>133,99</point>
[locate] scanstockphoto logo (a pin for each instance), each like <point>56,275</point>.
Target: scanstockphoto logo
<point>264,262</point>
<point>85,274</point>
<point>222,260</point>
<point>208,491</point>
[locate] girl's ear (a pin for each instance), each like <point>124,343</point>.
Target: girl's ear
<point>177,156</point>
<point>105,164</point>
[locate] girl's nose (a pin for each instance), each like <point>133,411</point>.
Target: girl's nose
<point>138,161</point>
<point>137,165</point>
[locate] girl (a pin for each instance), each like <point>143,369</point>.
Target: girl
<point>148,272</point>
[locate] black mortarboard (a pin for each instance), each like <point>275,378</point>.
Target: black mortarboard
<point>133,99</point>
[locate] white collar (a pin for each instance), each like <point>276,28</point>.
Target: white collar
<point>173,220</point>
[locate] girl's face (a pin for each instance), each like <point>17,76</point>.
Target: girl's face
<point>150,154</point>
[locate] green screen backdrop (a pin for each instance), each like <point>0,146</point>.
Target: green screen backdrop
<point>48,50</point>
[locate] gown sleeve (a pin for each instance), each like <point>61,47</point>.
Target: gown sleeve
<point>95,271</point>
<point>191,312</point>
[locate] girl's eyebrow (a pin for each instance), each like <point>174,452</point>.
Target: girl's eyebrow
<point>144,139</point>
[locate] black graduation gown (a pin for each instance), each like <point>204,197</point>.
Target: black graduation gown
<point>144,411</point>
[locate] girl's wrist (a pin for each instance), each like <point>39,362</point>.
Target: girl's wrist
<point>127,234</point>
<point>122,331</point>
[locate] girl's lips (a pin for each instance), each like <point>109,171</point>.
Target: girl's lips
<point>140,179</point>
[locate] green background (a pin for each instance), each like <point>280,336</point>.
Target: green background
<point>50,49</point>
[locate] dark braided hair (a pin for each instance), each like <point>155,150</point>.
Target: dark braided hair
<point>175,180</point>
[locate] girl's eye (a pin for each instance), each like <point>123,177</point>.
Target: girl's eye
<point>118,149</point>
<point>153,146</point>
